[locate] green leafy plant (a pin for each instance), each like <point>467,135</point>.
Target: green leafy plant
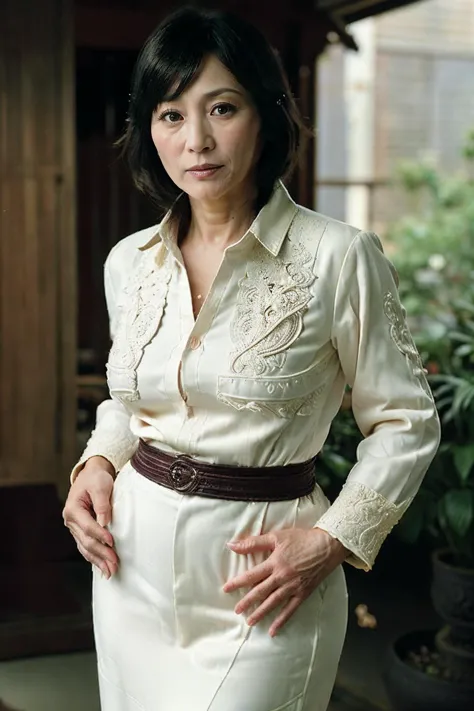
<point>433,251</point>
<point>339,452</point>
<point>445,503</point>
<point>434,256</point>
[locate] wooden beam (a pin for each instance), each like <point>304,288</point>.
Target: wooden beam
<point>37,244</point>
<point>353,10</point>
<point>121,28</point>
<point>114,27</point>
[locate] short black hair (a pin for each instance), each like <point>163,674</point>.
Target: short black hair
<point>171,59</point>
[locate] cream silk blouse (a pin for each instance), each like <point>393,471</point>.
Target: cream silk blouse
<point>300,306</point>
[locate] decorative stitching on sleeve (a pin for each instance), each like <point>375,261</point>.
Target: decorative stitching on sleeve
<point>401,336</point>
<point>361,519</point>
<point>115,444</point>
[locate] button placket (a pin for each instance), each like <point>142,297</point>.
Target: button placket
<point>201,325</point>
<point>194,343</point>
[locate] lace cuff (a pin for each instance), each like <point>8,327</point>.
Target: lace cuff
<point>107,443</point>
<point>361,519</point>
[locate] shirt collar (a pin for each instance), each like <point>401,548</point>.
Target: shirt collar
<point>269,227</point>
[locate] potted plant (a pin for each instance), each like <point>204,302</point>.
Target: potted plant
<point>432,249</point>
<point>429,669</point>
<point>434,669</point>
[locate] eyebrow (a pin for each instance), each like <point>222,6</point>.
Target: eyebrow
<point>209,95</point>
<point>223,90</point>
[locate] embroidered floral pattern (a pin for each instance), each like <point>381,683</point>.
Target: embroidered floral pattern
<point>361,519</point>
<point>272,299</point>
<point>282,406</point>
<point>301,406</point>
<point>402,337</point>
<point>145,299</point>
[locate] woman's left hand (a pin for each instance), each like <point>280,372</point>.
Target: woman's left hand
<point>300,560</point>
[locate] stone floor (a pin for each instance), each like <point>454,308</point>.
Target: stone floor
<point>68,682</point>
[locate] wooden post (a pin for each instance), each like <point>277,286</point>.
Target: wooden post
<point>37,257</point>
<point>37,313</point>
<point>305,42</point>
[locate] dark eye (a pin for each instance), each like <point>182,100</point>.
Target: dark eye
<point>223,110</point>
<point>170,117</point>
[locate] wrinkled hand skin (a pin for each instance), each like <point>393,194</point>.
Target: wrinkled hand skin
<point>299,561</point>
<point>88,511</point>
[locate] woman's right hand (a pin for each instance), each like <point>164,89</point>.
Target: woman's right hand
<point>88,510</point>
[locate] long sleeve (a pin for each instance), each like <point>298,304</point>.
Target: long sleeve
<point>112,437</point>
<point>391,401</point>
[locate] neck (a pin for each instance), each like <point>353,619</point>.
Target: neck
<point>221,223</point>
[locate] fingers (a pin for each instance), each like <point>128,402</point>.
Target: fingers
<point>250,577</point>
<point>95,548</point>
<point>93,529</point>
<point>102,507</point>
<point>257,594</point>
<point>253,544</point>
<point>83,520</point>
<point>94,542</point>
<point>287,612</point>
<point>95,560</point>
<point>275,599</point>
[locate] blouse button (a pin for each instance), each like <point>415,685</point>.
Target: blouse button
<point>194,343</point>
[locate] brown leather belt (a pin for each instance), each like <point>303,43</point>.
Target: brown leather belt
<point>189,476</point>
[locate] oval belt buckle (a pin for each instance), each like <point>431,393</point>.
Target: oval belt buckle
<point>183,476</point>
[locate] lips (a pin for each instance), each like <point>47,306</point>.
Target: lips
<point>204,167</point>
<point>205,171</point>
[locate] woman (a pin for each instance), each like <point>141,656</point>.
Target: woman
<point>236,324</point>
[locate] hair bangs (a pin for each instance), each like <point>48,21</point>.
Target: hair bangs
<point>171,60</point>
<point>162,80</point>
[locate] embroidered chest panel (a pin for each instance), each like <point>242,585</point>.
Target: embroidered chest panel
<point>271,301</point>
<point>144,299</point>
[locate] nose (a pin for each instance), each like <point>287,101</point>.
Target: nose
<point>199,136</point>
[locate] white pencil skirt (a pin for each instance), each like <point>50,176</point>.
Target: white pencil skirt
<point>167,636</point>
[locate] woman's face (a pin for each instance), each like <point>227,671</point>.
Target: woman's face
<point>208,138</point>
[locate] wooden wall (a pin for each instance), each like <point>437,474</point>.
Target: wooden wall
<point>37,241</point>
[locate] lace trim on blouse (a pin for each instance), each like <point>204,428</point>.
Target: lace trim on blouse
<point>361,519</point>
<point>138,322</point>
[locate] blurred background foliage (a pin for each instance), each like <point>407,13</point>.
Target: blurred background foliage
<point>432,248</point>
